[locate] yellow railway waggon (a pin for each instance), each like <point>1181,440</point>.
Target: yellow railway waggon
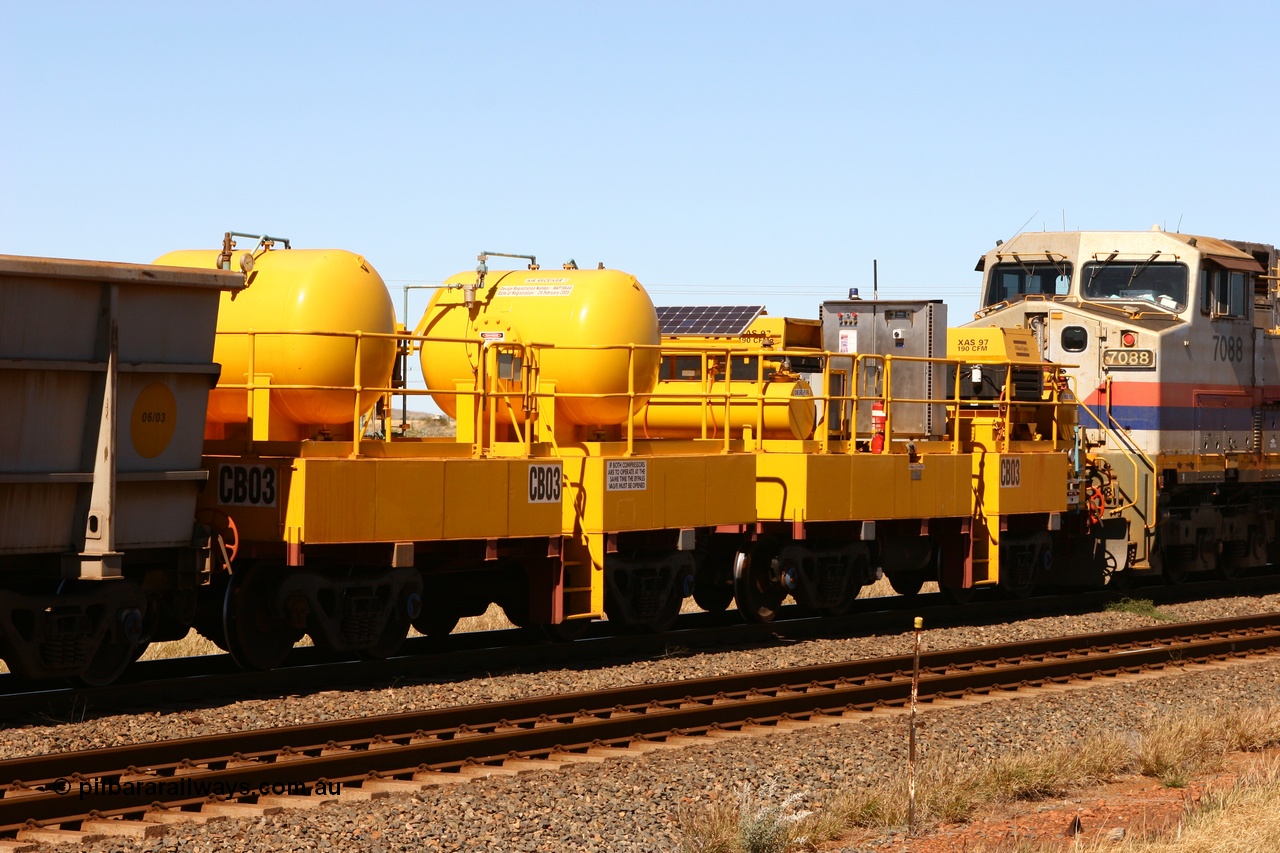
<point>605,464</point>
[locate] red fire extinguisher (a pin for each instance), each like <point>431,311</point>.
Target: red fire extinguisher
<point>877,427</point>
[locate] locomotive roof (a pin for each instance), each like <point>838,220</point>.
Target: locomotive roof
<point>1213,248</point>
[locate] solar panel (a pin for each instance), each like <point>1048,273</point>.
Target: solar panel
<point>706,319</point>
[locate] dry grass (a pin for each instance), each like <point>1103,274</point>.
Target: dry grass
<point>1140,607</point>
<point>191,645</point>
<point>882,588</point>
<point>427,426</point>
<point>949,788</point>
<point>1244,818</point>
<point>493,619</point>
<point>761,820</point>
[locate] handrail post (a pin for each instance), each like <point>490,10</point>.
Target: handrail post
<point>886,396</point>
<point>631,399</point>
<point>250,380</point>
<point>358,428</point>
<point>956,408</point>
<point>759,397</point>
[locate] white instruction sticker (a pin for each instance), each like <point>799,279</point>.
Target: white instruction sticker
<point>848,340</point>
<point>627,475</point>
<point>536,289</point>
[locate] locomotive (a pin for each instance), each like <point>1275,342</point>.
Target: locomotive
<point>612,459</point>
<point>1173,341</point>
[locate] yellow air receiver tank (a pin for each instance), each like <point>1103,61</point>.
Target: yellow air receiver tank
<point>676,409</point>
<point>300,290</point>
<point>576,311</point>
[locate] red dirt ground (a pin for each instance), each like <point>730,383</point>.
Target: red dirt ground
<point>1139,806</point>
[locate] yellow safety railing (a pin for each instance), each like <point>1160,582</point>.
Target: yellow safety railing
<point>517,394</point>
<point>1128,448</point>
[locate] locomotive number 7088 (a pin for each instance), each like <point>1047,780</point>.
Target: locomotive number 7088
<point>1228,348</point>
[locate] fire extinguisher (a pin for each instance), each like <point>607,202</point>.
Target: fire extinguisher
<point>877,427</point>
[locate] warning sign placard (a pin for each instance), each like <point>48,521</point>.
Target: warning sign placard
<point>627,475</point>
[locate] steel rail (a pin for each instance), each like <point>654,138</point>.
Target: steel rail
<point>446,739</point>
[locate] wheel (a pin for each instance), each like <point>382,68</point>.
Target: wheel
<point>110,661</point>
<point>210,600</point>
<point>759,595</point>
<point>666,618</point>
<point>713,597</point>
<point>1175,574</point>
<point>1019,583</point>
<point>123,642</point>
<point>957,595</point>
<point>1121,580</point>
<point>844,603</point>
<point>257,635</point>
<point>393,634</point>
<point>433,622</point>
<point>567,631</point>
<point>907,583</point>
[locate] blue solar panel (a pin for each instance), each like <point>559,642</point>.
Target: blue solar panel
<point>706,319</point>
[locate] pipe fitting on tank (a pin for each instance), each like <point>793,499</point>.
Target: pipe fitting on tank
<point>469,290</point>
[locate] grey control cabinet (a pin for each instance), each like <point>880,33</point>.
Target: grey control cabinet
<point>891,328</point>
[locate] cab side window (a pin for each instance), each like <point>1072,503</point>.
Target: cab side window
<point>1223,293</point>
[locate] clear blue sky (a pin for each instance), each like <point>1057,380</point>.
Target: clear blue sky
<point>722,152</point>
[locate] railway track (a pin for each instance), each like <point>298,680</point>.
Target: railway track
<point>166,683</point>
<point>134,790</point>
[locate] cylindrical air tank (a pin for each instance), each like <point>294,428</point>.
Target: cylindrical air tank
<point>300,290</point>
<point>676,409</point>
<point>589,317</point>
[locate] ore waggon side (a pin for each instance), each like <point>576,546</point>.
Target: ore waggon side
<point>105,369</point>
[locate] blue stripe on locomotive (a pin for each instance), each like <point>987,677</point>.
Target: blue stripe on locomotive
<point>1174,418</point>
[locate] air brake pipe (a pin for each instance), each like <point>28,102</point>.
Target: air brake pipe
<point>469,290</point>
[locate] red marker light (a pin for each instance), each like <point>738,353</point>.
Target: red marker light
<point>1128,339</point>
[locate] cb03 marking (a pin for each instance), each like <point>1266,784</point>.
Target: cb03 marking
<point>247,485</point>
<point>544,484</point>
<point>1129,359</point>
<point>1010,472</point>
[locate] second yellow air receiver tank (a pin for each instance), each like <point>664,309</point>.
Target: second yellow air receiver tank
<point>329,294</point>
<point>591,319</point>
